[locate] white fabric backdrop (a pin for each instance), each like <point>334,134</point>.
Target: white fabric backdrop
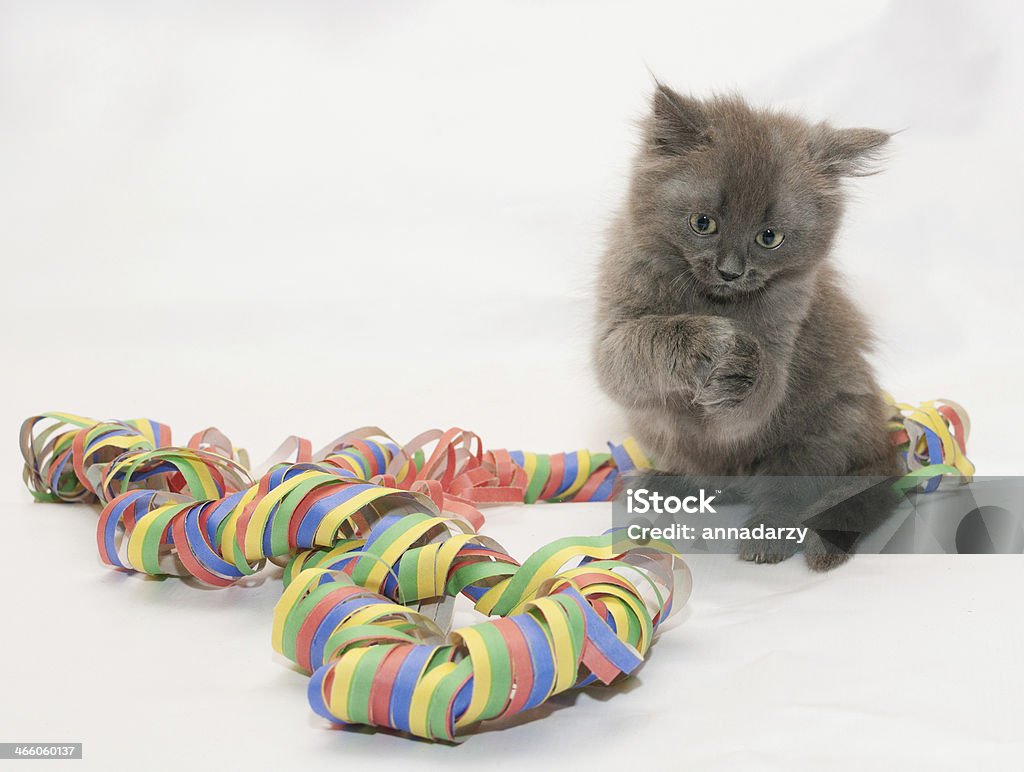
<point>306,217</point>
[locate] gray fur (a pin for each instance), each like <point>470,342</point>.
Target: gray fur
<point>765,374</point>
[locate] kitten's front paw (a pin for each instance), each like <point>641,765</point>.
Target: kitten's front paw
<point>733,375</point>
<point>765,550</point>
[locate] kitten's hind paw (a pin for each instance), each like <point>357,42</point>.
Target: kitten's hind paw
<point>826,562</point>
<point>822,555</point>
<point>765,550</point>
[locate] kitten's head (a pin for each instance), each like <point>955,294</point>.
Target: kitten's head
<point>744,197</point>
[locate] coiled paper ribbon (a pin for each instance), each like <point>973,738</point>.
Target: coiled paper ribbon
<point>931,439</point>
<point>378,539</point>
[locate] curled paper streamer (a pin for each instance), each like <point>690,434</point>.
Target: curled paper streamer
<point>931,439</point>
<point>378,539</point>
<point>377,662</point>
<point>71,458</point>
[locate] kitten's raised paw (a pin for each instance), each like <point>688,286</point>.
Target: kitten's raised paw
<point>732,377</point>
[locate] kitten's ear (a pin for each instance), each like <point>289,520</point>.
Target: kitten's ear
<point>678,123</point>
<point>847,152</point>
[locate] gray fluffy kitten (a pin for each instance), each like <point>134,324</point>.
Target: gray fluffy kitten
<point>722,326</point>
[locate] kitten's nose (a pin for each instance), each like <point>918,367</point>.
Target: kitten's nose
<point>728,275</point>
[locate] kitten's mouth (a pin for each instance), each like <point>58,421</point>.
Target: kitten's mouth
<point>723,292</point>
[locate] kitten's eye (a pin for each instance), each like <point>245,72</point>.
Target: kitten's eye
<point>770,238</point>
<point>703,224</point>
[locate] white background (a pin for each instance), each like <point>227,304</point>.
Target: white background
<point>305,217</point>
